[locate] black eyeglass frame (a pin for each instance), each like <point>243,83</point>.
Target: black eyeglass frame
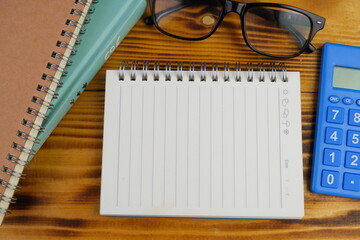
<point>317,23</point>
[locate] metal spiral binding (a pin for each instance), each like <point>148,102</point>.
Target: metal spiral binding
<point>133,70</point>
<point>238,72</point>
<point>16,160</point>
<point>215,72</point>
<point>32,125</point>
<point>156,71</point>
<point>11,172</point>
<point>53,79</point>
<point>4,211</point>
<point>145,70</point>
<point>272,67</point>
<point>47,90</point>
<point>168,71</point>
<point>36,113</point>
<point>66,45</point>
<point>77,12</point>
<point>59,56</point>
<point>122,69</point>
<point>5,198</point>
<point>226,72</point>
<point>84,2</point>
<point>22,148</point>
<point>179,72</point>
<point>26,136</point>
<point>282,68</point>
<point>260,71</point>
<point>8,185</point>
<point>203,72</point>
<point>250,72</point>
<point>42,102</point>
<point>191,72</point>
<point>56,68</point>
<point>74,23</point>
<point>67,33</point>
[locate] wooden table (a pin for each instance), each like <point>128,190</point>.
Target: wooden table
<point>60,195</point>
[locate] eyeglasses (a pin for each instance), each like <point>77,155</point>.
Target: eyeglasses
<point>274,30</point>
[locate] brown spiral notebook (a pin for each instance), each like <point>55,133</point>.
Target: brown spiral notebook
<point>37,39</point>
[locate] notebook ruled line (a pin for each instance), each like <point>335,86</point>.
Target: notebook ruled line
<point>118,150</point>
<point>257,146</point>
<point>268,140</point>
<point>130,145</point>
<point>199,140</point>
<point>211,144</point>
<point>153,149</point>
<point>187,149</point>
<point>176,143</point>
<point>245,151</point>
<point>222,147</point>
<point>165,140</point>
<point>234,156</point>
<point>142,144</point>
<point>280,157</point>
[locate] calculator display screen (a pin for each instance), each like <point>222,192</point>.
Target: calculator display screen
<point>346,78</point>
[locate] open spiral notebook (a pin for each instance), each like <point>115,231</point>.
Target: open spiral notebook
<point>202,142</point>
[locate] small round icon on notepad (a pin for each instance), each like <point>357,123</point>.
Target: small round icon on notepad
<point>286,132</point>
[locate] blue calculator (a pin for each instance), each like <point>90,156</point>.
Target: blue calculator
<point>336,158</point>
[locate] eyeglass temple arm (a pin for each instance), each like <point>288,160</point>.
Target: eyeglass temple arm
<point>149,21</point>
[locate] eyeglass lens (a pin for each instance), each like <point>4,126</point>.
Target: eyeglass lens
<point>273,31</point>
<point>276,31</point>
<point>187,18</point>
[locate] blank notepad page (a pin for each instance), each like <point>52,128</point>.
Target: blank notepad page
<point>211,149</point>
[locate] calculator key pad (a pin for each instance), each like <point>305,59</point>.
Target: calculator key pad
<point>348,101</point>
<point>354,117</point>
<point>352,182</point>
<point>340,172</point>
<point>330,179</point>
<point>332,157</point>
<point>353,139</point>
<point>334,136</point>
<point>335,115</point>
<point>352,160</point>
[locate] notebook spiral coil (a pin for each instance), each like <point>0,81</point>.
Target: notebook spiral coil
<point>38,113</point>
<point>7,199</point>
<point>276,72</point>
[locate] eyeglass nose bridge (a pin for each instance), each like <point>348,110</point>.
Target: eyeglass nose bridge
<point>232,6</point>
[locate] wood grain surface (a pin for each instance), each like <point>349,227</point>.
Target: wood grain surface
<point>59,198</point>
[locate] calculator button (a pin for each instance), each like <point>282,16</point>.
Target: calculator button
<point>351,182</point>
<point>352,160</point>
<point>335,115</point>
<point>348,101</point>
<point>330,179</point>
<point>354,117</point>
<point>333,136</point>
<point>332,157</point>
<point>353,139</point>
<point>334,99</point>
<point>358,102</point>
